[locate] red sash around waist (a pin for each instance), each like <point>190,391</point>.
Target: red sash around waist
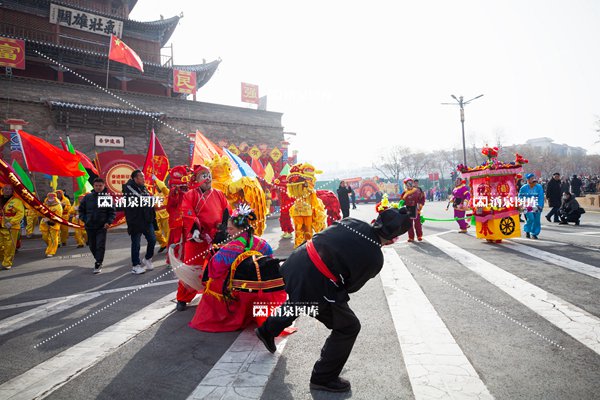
<point>316,259</point>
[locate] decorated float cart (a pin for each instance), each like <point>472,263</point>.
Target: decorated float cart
<point>494,196</point>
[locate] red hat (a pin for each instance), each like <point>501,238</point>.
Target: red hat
<point>407,180</point>
<point>179,175</point>
<point>200,168</point>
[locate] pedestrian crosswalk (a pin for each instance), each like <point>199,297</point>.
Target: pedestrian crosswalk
<point>452,300</point>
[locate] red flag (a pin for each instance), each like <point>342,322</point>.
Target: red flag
<point>258,168</point>
<point>156,162</point>
<point>122,53</point>
<point>204,149</point>
<point>86,162</point>
<point>41,156</point>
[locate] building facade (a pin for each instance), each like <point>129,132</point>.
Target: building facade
<point>61,92</point>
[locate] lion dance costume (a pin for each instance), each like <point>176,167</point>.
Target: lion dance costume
<point>245,190</point>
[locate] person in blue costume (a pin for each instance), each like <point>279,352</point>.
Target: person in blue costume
<point>532,194</point>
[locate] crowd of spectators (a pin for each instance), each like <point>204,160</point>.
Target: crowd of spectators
<point>578,185</point>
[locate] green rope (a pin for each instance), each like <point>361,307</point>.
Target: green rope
<point>472,217</point>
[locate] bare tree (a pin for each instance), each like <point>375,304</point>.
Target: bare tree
<point>401,162</point>
<point>390,163</point>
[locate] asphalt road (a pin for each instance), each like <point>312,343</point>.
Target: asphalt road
<point>449,317</point>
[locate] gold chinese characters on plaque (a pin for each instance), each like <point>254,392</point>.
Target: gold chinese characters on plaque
<point>276,154</point>
<point>255,153</point>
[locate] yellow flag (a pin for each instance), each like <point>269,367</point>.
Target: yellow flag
<point>54,182</point>
<point>269,173</point>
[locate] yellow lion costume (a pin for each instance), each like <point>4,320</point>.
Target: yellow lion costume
<point>245,190</point>
<point>308,211</point>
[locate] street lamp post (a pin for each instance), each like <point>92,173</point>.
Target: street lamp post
<point>461,103</point>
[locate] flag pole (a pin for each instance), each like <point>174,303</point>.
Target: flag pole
<point>108,60</point>
<point>25,159</point>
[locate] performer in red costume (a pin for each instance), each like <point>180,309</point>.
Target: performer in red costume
<point>204,210</point>
<point>178,186</point>
<point>414,199</point>
<point>285,202</point>
<point>234,284</point>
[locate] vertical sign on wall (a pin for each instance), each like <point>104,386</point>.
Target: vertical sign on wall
<point>249,93</point>
<point>184,81</point>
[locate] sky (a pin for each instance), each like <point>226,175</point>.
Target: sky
<point>353,79</point>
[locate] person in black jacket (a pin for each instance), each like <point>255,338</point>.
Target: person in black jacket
<point>554,195</point>
<point>570,211</point>
<point>576,185</point>
<point>342,193</point>
<point>323,271</point>
<point>96,219</point>
<point>141,220</point>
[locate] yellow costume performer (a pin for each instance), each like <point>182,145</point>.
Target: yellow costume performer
<point>50,229</point>
<point>80,233</point>
<point>245,190</point>
<point>308,211</point>
<point>162,215</point>
<point>32,218</point>
<point>12,213</point>
<point>66,209</point>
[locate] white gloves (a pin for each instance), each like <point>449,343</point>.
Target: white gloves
<point>7,225</point>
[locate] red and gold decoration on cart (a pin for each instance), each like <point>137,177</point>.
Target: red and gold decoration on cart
<point>494,196</point>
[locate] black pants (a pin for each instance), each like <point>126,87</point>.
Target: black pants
<point>344,326</point>
<point>554,211</point>
<point>570,218</point>
<point>345,211</point>
<point>97,243</point>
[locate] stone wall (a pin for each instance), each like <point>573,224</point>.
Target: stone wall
<point>28,99</point>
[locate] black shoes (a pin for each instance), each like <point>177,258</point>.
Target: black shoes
<point>534,236</point>
<point>548,219</point>
<point>181,305</point>
<point>97,268</point>
<point>162,249</point>
<point>267,339</point>
<point>563,223</point>
<point>527,235</point>
<point>336,385</point>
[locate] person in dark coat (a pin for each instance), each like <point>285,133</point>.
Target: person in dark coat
<point>342,193</point>
<point>96,220</point>
<point>554,196</point>
<point>570,211</point>
<point>141,220</point>
<point>565,186</point>
<point>576,185</point>
<point>324,271</point>
<point>352,197</point>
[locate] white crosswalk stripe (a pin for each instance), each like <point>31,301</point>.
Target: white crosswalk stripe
<point>51,307</point>
<point>556,259</point>
<point>578,323</point>
<point>435,363</point>
<point>44,378</point>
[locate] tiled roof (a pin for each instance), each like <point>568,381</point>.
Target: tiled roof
<point>112,110</point>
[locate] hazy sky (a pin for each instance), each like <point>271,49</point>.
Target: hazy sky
<point>353,78</point>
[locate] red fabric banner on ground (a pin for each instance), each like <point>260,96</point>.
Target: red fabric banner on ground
<point>43,157</point>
